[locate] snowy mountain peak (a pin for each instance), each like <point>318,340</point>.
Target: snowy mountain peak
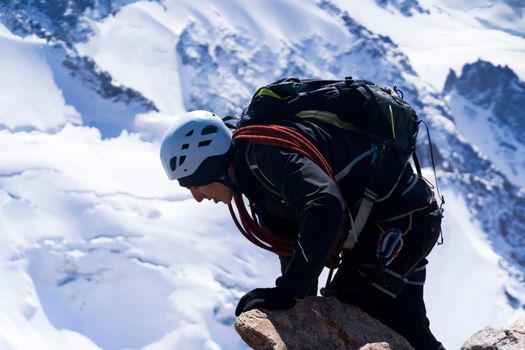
<point>481,76</point>
<point>487,103</point>
<point>494,88</point>
<point>82,87</point>
<point>64,20</point>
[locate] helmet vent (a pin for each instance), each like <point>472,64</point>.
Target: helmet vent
<point>186,146</point>
<point>181,160</point>
<point>173,163</point>
<point>209,129</point>
<point>204,143</point>
<point>189,133</point>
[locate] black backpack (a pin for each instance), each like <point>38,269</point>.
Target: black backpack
<point>355,105</point>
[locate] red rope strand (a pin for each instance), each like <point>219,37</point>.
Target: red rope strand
<point>279,136</point>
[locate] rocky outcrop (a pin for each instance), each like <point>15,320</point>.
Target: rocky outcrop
<point>495,88</point>
<point>492,97</point>
<point>66,21</point>
<point>325,323</point>
<point>498,339</point>
<point>317,323</point>
<point>92,92</point>
<point>406,7</point>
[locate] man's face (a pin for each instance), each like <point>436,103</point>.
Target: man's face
<point>216,191</point>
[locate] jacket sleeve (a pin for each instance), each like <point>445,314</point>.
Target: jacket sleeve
<point>315,199</point>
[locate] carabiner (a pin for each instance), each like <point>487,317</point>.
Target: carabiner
<point>389,245</point>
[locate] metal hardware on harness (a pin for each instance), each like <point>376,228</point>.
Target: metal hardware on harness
<point>389,245</point>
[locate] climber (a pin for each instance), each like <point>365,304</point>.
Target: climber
<point>382,272</point>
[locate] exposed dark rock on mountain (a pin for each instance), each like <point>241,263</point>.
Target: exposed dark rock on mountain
<point>406,7</point>
<point>63,24</point>
<point>494,88</point>
<point>499,93</point>
<point>62,20</point>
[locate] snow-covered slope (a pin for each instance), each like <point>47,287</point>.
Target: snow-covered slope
<point>506,15</point>
<point>469,285</point>
<point>441,34</point>
<point>52,84</point>
<point>95,241</point>
<point>28,95</point>
<point>100,251</point>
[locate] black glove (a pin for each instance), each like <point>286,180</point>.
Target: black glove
<point>265,298</point>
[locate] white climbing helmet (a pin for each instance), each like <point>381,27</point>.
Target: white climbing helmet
<point>196,137</point>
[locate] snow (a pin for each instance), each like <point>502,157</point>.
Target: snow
<point>99,251</point>
<point>145,34</point>
<point>446,39</point>
<point>28,95</point>
<point>107,115</point>
<point>505,15</point>
<point>135,36</point>
<point>481,128</point>
<point>89,246</point>
<point>466,284</point>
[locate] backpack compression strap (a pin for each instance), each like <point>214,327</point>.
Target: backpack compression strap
<point>280,136</point>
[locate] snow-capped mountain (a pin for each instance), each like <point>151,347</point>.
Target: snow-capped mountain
<point>488,102</point>
<point>62,21</point>
<point>96,100</point>
<point>100,251</point>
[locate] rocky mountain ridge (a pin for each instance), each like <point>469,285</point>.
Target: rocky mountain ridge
<point>495,88</point>
<point>486,103</point>
<point>406,7</point>
<point>63,25</point>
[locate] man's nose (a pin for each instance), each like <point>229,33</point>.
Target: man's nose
<point>197,195</point>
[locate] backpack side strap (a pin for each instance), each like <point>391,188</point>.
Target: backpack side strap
<point>365,208</point>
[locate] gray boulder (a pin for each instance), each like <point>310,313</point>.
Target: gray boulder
<point>498,339</point>
<point>317,323</point>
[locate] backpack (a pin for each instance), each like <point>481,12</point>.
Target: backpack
<point>357,106</point>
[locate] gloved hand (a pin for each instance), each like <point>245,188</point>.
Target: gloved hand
<point>265,298</point>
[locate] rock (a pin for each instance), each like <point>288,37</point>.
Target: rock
<point>257,330</point>
<point>376,346</point>
<point>317,323</point>
<point>498,339</point>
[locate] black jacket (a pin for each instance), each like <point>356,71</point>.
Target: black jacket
<point>295,197</point>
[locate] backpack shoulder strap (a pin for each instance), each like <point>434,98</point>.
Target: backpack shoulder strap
<point>251,160</point>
